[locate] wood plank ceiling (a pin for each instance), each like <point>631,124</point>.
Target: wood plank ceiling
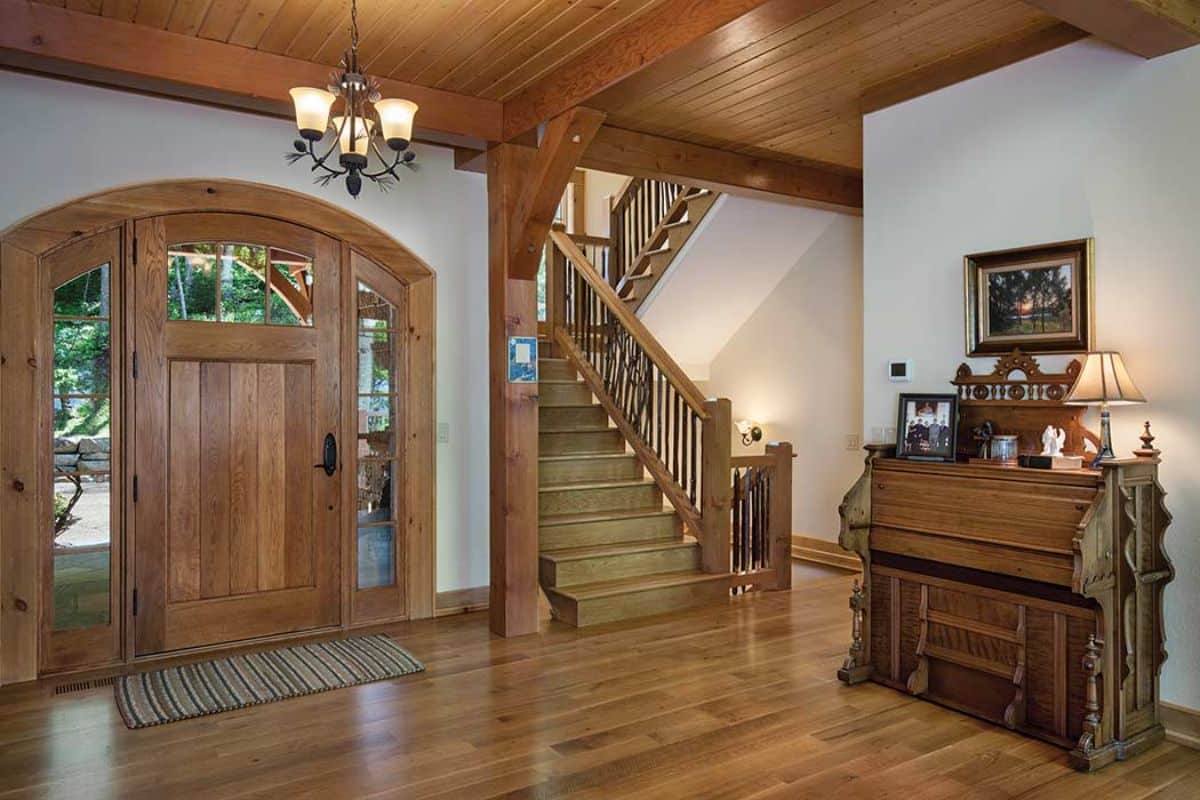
<point>793,95</point>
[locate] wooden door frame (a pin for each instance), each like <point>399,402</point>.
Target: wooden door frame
<point>25,357</point>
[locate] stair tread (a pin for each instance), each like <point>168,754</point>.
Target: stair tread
<point>586,456</point>
<point>620,548</point>
<point>692,195</point>
<point>579,429</point>
<point>678,223</point>
<point>595,484</point>
<point>560,380</point>
<point>641,583</point>
<point>549,520</point>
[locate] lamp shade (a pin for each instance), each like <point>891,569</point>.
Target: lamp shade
<point>362,135</point>
<point>312,108</point>
<point>1104,379</point>
<point>396,120</point>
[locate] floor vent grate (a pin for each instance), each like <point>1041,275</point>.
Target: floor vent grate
<point>83,686</point>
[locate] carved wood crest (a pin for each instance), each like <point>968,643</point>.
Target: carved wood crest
<point>1017,397</point>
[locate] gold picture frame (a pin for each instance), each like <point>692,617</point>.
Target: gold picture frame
<point>1037,298</point>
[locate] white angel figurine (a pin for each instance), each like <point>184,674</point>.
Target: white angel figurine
<point>1053,440</point>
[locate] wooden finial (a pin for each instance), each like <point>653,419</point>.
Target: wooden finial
<point>1147,450</point>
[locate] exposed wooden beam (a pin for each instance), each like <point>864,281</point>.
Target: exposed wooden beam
<point>1149,28</point>
<point>969,64</point>
<point>57,41</point>
<point>643,155</point>
<point>704,26</point>
<point>566,138</point>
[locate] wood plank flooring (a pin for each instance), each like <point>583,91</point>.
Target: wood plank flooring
<point>730,702</point>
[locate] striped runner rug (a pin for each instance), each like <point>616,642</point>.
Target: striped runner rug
<point>209,687</point>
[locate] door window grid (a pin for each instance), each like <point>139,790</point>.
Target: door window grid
<point>238,282</point>
<point>376,448</point>
<point>82,451</point>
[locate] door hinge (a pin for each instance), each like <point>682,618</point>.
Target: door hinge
<point>133,358</point>
<point>135,251</point>
<point>135,489</point>
<point>135,602</point>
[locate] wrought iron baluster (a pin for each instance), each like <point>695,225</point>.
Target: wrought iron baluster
<point>692,463</point>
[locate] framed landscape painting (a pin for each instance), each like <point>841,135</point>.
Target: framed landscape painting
<point>1036,298</point>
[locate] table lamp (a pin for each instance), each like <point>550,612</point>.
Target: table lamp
<point>1104,381</point>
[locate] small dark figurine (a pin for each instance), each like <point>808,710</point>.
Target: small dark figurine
<point>983,435</point>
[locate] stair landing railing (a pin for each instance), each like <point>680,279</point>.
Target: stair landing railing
<point>636,221</point>
<point>682,437</point>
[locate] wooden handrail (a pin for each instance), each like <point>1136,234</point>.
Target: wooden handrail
<point>662,359</point>
<point>583,238</point>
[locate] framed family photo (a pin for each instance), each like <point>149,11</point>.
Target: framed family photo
<point>927,429</point>
<point>1036,298</point>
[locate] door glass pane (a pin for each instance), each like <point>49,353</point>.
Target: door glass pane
<point>376,556</point>
<point>375,491</point>
<point>373,310</point>
<point>243,294</point>
<point>227,282</point>
<point>82,448</point>
<point>376,362</point>
<point>192,281</point>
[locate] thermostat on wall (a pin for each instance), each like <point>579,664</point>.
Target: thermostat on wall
<point>900,371</point>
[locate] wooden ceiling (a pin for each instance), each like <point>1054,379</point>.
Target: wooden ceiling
<point>766,95</point>
<point>484,48</point>
<point>798,93</point>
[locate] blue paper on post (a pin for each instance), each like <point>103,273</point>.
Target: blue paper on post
<point>522,359</point>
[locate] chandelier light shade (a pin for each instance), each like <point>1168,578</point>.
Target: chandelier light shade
<point>368,127</point>
<point>312,110</point>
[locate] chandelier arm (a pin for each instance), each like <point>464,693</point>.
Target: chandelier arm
<point>389,169</point>
<point>319,163</point>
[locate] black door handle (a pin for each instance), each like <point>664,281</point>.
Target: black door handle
<point>329,454</point>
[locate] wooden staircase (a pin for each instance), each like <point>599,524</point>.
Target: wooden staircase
<point>664,245</point>
<point>609,549</point>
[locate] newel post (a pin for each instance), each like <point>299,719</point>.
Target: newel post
<point>781,514</point>
<point>716,437</point>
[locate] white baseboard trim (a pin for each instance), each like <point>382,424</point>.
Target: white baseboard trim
<point>1182,724</point>
<point>823,551</point>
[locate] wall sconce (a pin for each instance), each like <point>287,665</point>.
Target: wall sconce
<point>750,432</point>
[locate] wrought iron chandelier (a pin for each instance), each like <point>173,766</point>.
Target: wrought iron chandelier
<point>366,119</point>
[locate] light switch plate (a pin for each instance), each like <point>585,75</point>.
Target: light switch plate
<point>853,441</point>
<point>443,432</point>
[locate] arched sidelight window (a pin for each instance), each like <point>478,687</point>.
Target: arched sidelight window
<point>82,517</point>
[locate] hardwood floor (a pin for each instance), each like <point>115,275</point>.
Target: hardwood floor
<point>729,702</point>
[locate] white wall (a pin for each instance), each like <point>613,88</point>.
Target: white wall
<point>66,140</point>
<point>793,367</point>
<point>1082,141</point>
<point>600,187</point>
<point>730,264</point>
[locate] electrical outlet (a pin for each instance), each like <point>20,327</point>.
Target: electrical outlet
<point>889,435</point>
<point>853,441</point>
<point>443,432</point>
<point>877,434</point>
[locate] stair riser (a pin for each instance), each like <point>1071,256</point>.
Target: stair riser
<point>615,567</point>
<point>699,206</point>
<point>556,370</point>
<point>660,527</point>
<point>563,394</point>
<point>572,417</point>
<point>606,441</point>
<point>589,469</point>
<point>586,501</point>
<point>599,610</point>
<point>679,234</point>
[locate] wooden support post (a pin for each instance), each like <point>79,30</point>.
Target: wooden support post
<point>524,188</point>
<point>512,311</point>
<point>717,485</point>
<point>781,514</point>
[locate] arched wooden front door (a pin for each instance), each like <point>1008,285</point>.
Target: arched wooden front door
<point>237,389</point>
<point>173,357</point>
